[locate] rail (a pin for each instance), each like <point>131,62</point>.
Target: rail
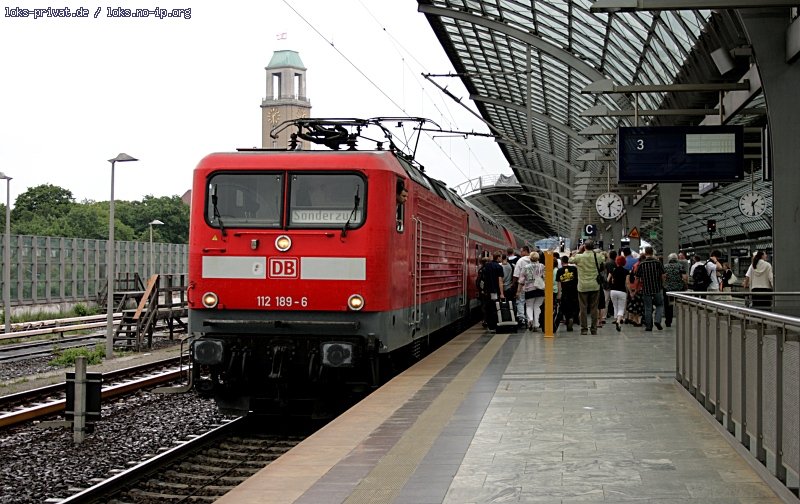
<point>743,365</point>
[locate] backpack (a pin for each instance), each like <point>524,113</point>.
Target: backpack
<point>480,282</point>
<point>700,278</point>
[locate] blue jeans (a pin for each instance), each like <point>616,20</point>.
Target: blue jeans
<point>649,300</point>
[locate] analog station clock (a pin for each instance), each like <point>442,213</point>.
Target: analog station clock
<point>609,205</point>
<point>274,115</point>
<point>752,204</point>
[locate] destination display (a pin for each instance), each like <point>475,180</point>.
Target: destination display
<point>680,154</point>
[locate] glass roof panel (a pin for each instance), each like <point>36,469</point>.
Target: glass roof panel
<point>576,48</point>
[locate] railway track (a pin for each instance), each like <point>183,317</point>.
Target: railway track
<point>44,401</point>
<point>201,469</point>
<point>39,348</point>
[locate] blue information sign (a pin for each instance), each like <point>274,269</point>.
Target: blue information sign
<point>680,154</point>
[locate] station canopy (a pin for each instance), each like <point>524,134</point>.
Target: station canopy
<point>525,64</point>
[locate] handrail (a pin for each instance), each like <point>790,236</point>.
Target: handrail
<point>706,299</point>
<point>740,364</point>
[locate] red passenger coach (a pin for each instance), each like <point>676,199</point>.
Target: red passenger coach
<point>308,267</point>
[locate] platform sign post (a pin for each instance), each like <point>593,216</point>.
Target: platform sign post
<point>548,294</point>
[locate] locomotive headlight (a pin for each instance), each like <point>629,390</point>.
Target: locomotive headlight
<point>210,300</point>
<point>283,243</point>
<point>337,354</point>
<point>355,302</point>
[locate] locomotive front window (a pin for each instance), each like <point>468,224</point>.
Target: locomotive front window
<point>326,200</point>
<point>249,200</point>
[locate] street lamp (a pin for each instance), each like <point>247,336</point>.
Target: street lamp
<point>7,256</point>
<point>110,268</point>
<point>156,222</point>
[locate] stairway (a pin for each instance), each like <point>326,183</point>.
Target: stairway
<point>138,322</point>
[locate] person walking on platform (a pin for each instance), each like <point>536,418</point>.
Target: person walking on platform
<point>512,257</point>
<point>651,274</point>
<point>493,279</point>
<point>700,279</point>
<point>531,283</point>
<point>523,261</point>
<point>759,279</point>
<point>630,259</point>
<point>480,283</point>
<point>567,284</point>
<point>508,280</point>
<point>605,299</point>
<point>618,278</point>
<point>675,280</point>
<point>588,260</point>
<point>715,269</point>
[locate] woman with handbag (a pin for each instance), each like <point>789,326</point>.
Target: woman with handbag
<point>635,297</point>
<point>531,283</point>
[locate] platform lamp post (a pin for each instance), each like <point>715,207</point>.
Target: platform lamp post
<point>110,266</point>
<point>7,256</point>
<point>155,222</point>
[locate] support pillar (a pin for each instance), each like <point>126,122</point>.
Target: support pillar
<point>633,219</point>
<point>670,195</point>
<point>766,30</point>
<point>616,233</point>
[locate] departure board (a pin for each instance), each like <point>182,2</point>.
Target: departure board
<point>680,154</point>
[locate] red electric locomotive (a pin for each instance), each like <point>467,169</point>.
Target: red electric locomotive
<point>308,267</point>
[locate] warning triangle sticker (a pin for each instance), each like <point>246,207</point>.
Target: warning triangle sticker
<point>634,233</point>
<point>214,238</point>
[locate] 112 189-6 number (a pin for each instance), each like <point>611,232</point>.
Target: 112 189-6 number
<point>281,301</point>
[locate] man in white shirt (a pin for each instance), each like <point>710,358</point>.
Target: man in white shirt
<point>523,261</point>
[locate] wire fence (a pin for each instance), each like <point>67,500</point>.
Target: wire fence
<point>55,270</point>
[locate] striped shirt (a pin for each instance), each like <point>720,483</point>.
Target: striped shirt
<point>651,274</point>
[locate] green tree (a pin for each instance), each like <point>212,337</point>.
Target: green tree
<point>49,210</point>
<point>46,200</point>
<point>171,210</point>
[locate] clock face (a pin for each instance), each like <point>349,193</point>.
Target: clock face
<point>609,205</point>
<point>752,204</point>
<point>274,115</point>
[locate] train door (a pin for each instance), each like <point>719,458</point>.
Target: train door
<point>416,313</point>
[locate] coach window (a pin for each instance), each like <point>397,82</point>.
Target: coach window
<point>244,199</point>
<point>326,200</point>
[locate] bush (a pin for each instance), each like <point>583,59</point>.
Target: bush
<point>81,310</point>
<point>66,357</point>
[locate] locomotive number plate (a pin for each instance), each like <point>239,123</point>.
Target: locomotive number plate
<point>281,302</point>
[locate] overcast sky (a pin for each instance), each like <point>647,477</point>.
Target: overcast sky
<point>76,92</point>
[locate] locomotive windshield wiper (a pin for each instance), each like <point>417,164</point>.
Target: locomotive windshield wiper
<point>215,210</point>
<point>356,201</point>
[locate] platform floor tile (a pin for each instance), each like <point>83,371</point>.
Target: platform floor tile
<point>599,419</point>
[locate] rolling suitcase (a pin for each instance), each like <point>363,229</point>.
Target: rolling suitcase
<point>506,316</point>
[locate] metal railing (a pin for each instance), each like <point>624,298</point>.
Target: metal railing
<point>743,365</point>
<point>54,270</point>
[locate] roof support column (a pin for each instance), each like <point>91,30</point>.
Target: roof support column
<point>670,214</point>
<point>766,29</point>
<point>616,234</point>
<point>633,218</point>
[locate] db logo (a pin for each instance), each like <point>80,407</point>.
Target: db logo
<point>283,267</point>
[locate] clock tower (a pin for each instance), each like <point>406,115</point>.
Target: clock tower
<point>286,97</point>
